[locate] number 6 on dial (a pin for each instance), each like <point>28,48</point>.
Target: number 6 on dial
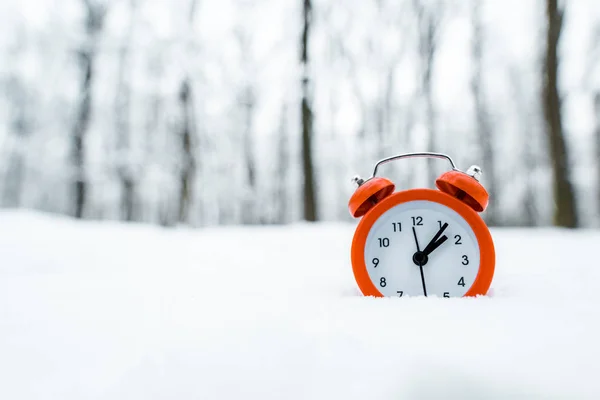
<point>422,242</point>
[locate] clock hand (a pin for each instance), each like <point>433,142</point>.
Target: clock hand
<point>435,243</point>
<point>416,240</point>
<point>420,258</point>
<point>423,280</point>
<point>419,261</point>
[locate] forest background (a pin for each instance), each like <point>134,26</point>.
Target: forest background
<point>230,112</point>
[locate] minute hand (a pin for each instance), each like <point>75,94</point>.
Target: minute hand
<point>435,243</point>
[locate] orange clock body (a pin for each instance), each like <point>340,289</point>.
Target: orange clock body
<point>487,254</point>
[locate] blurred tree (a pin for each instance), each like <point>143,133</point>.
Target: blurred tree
<point>387,113</point>
<point>247,100</point>
<point>529,153</point>
<point>95,13</point>
<point>21,125</point>
<point>565,213</point>
<point>188,159</point>
<point>187,134</point>
<point>282,166</point>
<point>597,138</point>
<point>310,204</point>
<point>125,169</point>
<point>429,15</point>
<point>591,69</point>
<point>483,128</point>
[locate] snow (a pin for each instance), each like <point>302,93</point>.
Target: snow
<point>101,310</point>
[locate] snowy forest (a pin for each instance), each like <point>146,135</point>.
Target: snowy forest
<point>200,112</point>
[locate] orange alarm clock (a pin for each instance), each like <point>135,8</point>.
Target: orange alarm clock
<point>422,242</point>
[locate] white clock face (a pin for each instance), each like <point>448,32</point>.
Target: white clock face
<point>445,266</point>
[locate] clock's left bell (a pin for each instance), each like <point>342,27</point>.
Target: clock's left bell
<point>367,194</point>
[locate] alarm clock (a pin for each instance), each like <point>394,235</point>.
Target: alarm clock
<point>421,241</point>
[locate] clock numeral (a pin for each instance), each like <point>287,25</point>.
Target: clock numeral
<point>375,262</point>
<point>441,224</point>
<point>400,293</point>
<point>446,294</point>
<point>384,242</point>
<point>461,281</point>
<point>417,221</point>
<point>465,260</point>
<point>457,237</point>
<point>397,226</point>
<point>382,282</point>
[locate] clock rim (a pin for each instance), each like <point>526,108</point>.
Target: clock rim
<point>487,255</point>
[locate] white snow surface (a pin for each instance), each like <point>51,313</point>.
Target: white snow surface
<point>101,310</point>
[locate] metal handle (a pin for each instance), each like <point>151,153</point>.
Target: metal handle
<point>414,155</point>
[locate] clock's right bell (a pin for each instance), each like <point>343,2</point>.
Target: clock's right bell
<point>465,186</point>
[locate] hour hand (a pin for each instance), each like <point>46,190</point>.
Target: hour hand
<point>436,241</point>
<point>432,246</point>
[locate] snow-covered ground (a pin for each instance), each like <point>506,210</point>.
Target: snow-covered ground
<point>94,310</point>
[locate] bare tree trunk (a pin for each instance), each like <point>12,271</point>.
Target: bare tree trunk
<point>21,126</point>
<point>428,23</point>
<point>282,167</point>
<point>123,128</point>
<point>188,171</point>
<point>531,165</point>
<point>432,144</point>
<point>153,141</point>
<point>14,179</point>
<point>94,21</point>
<point>597,137</point>
<point>250,209</point>
<point>484,130</point>
<point>247,100</point>
<point>565,213</point>
<point>388,100</point>
<point>79,131</point>
<point>310,205</point>
<point>188,138</point>
<point>529,148</point>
